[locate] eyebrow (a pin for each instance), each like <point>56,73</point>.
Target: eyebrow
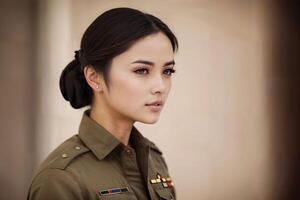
<point>172,62</point>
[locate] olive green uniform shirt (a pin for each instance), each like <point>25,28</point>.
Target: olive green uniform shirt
<point>94,164</point>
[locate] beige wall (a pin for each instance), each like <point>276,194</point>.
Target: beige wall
<point>214,130</point>
<point>17,97</point>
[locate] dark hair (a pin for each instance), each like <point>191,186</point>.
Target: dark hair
<point>110,34</point>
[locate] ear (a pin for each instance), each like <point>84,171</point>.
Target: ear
<point>93,78</point>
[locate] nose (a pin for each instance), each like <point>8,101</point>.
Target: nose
<point>159,84</point>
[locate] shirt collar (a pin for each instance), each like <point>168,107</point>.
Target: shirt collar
<point>100,141</point>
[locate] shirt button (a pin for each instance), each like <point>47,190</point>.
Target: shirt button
<point>64,155</point>
<point>128,151</point>
<point>77,148</point>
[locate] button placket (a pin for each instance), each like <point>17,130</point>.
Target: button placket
<point>129,157</point>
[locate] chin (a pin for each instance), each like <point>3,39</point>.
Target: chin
<point>149,120</point>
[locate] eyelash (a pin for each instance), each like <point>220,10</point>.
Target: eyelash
<point>170,69</point>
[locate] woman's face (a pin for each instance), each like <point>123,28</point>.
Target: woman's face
<point>135,82</point>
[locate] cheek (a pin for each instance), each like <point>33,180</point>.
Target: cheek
<point>129,93</point>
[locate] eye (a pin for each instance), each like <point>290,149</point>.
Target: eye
<point>171,71</point>
<point>143,71</point>
<point>140,71</point>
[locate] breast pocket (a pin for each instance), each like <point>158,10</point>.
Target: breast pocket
<point>164,193</point>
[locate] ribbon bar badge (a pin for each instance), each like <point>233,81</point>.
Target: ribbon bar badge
<point>113,191</point>
<point>165,181</point>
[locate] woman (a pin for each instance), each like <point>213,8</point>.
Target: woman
<point>123,72</point>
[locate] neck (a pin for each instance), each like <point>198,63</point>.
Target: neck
<point>116,125</point>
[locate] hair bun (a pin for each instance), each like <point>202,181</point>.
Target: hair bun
<point>73,85</point>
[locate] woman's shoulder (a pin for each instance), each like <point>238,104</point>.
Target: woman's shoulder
<point>54,183</point>
<point>153,146</point>
<point>53,173</point>
<point>156,153</point>
<point>63,155</point>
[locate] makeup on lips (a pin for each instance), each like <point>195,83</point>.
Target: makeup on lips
<point>155,106</point>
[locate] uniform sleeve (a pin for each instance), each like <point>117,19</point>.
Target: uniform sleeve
<point>55,184</point>
<point>173,190</point>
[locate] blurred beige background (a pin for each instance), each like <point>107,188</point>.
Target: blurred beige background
<point>215,130</point>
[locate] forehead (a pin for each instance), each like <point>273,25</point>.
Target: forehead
<point>155,47</point>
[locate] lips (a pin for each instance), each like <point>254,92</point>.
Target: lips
<point>155,103</point>
<point>155,106</point>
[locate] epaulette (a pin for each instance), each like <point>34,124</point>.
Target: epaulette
<point>154,147</point>
<point>68,155</point>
